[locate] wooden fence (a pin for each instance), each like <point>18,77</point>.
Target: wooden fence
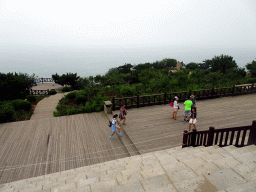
<point>39,92</point>
<point>233,136</point>
<point>44,80</point>
<point>158,99</point>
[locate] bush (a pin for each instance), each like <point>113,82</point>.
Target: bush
<point>7,113</point>
<point>20,104</point>
<point>80,99</point>
<point>88,108</point>
<point>71,96</point>
<point>52,92</point>
<point>127,91</point>
<point>31,98</point>
<point>66,89</point>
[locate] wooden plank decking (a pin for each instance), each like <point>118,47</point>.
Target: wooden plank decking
<point>37,147</point>
<point>152,128</point>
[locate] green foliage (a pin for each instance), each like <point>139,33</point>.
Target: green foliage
<point>15,86</point>
<point>67,79</point>
<point>66,89</point>
<point>251,67</point>
<point>52,92</point>
<point>20,104</point>
<point>88,108</point>
<point>192,66</point>
<point>127,91</point>
<point>80,99</point>
<point>222,63</point>
<point>31,98</point>
<point>71,96</point>
<point>7,112</point>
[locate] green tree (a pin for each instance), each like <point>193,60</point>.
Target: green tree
<point>222,63</point>
<point>192,66</point>
<point>251,67</point>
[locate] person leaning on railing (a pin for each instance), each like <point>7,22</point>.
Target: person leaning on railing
<point>192,98</point>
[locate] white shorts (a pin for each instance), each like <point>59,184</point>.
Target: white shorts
<point>192,121</point>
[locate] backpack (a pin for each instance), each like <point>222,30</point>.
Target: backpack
<point>171,104</point>
<point>109,123</point>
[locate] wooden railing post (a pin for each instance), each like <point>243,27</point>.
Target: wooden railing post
<point>185,139</point>
<point>233,91</point>
<point>212,92</point>
<point>31,91</point>
<point>193,138</point>
<point>252,90</point>
<point>165,95</point>
<point>252,136</point>
<point>113,104</point>
<point>210,136</point>
<point>138,101</point>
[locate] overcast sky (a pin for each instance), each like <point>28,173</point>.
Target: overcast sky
<point>89,37</point>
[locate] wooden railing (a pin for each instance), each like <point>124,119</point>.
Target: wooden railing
<point>222,137</point>
<point>157,99</point>
<point>43,80</point>
<point>39,92</point>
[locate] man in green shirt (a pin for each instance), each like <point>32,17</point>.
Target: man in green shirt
<point>188,103</point>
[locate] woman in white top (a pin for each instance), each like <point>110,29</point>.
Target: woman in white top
<point>175,107</point>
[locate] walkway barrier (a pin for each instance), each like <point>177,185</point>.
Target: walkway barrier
<point>108,107</point>
<point>216,136</point>
<point>158,99</point>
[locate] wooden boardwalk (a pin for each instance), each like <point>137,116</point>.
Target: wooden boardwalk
<point>152,128</point>
<point>37,147</point>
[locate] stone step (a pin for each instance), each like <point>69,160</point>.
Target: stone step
<point>203,169</point>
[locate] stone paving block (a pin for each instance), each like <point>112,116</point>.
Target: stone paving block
<point>158,183</point>
<point>183,156</point>
<point>83,182</point>
<point>95,173</point>
<point>49,185</point>
<point>160,153</point>
<point>152,172</point>
<point>225,178</point>
<point>37,179</point>
<point>212,157</point>
<point>86,188</point>
<point>150,161</point>
<point>227,162</point>
<point>204,169</point>
<point>65,187</point>
<point>249,148</point>
<point>200,153</point>
<point>245,187</point>
<point>229,148</point>
<point>168,160</point>
<point>7,189</point>
<point>151,166</point>
<point>23,185</point>
<point>247,171</point>
<point>246,157</point>
<point>67,178</point>
<point>129,175</point>
<point>197,184</point>
<point>134,165</point>
<point>174,167</point>
<point>54,176</point>
<point>112,176</point>
<point>182,174</point>
<point>194,162</point>
<point>123,160</point>
<point>103,186</point>
<point>134,186</point>
<point>109,163</point>
<point>135,158</point>
<point>220,151</point>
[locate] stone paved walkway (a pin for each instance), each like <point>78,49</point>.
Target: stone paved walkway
<point>46,107</point>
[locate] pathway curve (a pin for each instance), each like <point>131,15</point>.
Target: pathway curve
<point>46,107</point>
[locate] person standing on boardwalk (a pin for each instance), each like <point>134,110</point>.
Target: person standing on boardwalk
<point>188,103</point>
<point>175,107</point>
<point>122,114</point>
<point>192,118</point>
<point>192,98</point>
<point>114,127</point>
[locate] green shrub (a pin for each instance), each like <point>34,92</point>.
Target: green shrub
<point>80,99</point>
<point>52,92</point>
<point>20,104</point>
<point>71,96</point>
<point>31,98</point>
<point>66,89</point>
<point>7,113</point>
<point>127,91</point>
<point>88,108</point>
